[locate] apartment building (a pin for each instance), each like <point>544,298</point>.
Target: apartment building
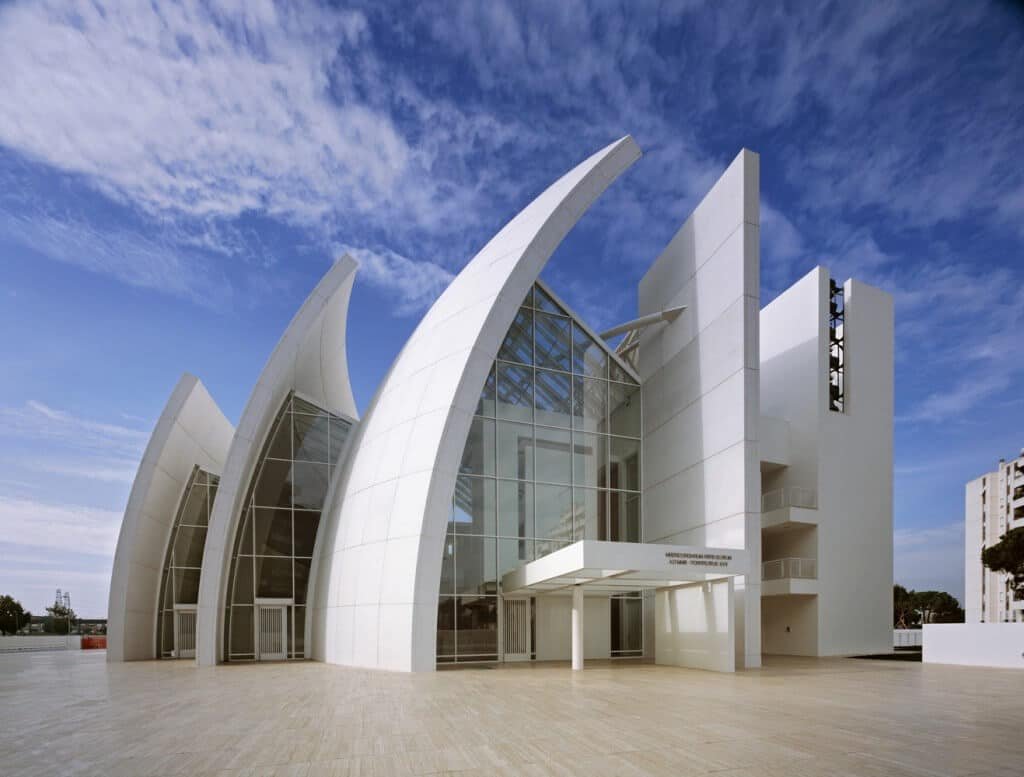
<point>993,504</point>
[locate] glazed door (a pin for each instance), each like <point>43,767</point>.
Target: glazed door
<point>271,633</point>
<point>184,633</point>
<point>516,628</point>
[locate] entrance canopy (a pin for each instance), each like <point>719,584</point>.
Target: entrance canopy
<point>616,567</point>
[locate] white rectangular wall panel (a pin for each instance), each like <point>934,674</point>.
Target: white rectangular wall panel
<point>974,570</point>
<point>855,493</point>
<point>702,482</point>
<point>695,626</point>
<point>789,625</point>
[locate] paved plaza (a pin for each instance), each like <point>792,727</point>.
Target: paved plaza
<point>72,713</point>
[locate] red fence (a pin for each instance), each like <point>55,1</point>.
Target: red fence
<point>94,642</point>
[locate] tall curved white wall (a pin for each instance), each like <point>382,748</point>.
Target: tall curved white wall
<point>191,431</point>
<point>309,359</point>
<point>381,543</point>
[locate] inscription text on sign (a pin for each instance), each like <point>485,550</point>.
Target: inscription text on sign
<point>699,559</point>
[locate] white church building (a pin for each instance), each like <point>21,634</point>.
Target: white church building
<point>715,486</point>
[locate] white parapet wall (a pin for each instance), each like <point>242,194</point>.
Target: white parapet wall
<point>902,638</point>
<point>975,644</point>
<point>26,642</point>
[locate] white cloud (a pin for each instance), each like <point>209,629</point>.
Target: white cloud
<point>104,471</point>
<point>930,558</point>
<point>778,233</point>
<point>962,324</point>
<point>57,527</point>
<point>782,246</point>
<point>413,285</point>
<point>957,400</point>
<point>205,110</point>
<point>137,259</point>
<point>37,421</point>
<point>197,115</point>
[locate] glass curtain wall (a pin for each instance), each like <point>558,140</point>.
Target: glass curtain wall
<point>179,584</point>
<point>552,457</point>
<point>627,619</point>
<point>274,545</point>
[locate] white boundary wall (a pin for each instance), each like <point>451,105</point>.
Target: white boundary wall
<point>906,638</point>
<point>24,642</point>
<point>975,644</point>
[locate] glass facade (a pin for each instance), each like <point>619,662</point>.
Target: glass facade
<point>179,584</point>
<point>273,549</point>
<point>552,457</point>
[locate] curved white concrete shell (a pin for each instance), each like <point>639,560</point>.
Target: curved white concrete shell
<point>309,359</point>
<point>190,432</point>
<point>380,549</point>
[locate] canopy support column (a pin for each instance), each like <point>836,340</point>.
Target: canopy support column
<point>577,627</point>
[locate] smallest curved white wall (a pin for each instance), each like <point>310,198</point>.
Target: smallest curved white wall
<point>191,431</point>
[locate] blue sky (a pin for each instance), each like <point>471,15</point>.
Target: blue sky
<point>173,182</point>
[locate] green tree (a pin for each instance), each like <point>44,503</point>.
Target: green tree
<point>1007,556</point>
<point>59,619</point>
<point>910,609</point>
<point>13,616</point>
<point>904,608</point>
<point>938,607</point>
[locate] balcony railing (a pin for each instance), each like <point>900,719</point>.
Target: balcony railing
<point>783,568</point>
<point>791,496</point>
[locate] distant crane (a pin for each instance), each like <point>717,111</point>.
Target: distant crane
<point>63,599</point>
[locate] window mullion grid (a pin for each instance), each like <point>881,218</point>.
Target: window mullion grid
<point>252,563</point>
<point>572,430</point>
<point>455,598</point>
<point>290,610</point>
<point>532,530</point>
<point>606,442</point>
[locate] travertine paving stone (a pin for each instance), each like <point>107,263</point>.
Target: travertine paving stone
<point>72,713</point>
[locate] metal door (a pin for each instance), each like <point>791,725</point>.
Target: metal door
<point>184,633</point>
<point>271,633</point>
<point>516,637</point>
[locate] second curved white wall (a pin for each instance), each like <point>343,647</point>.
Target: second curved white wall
<point>310,358</point>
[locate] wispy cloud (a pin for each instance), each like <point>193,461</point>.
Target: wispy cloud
<point>930,557</point>
<point>412,285</point>
<point>955,402</point>
<point>198,115</point>
<point>38,421</point>
<point>144,260</point>
<point>205,110</point>
<point>104,471</point>
<point>213,111</point>
<point>59,527</point>
<point>964,324</point>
